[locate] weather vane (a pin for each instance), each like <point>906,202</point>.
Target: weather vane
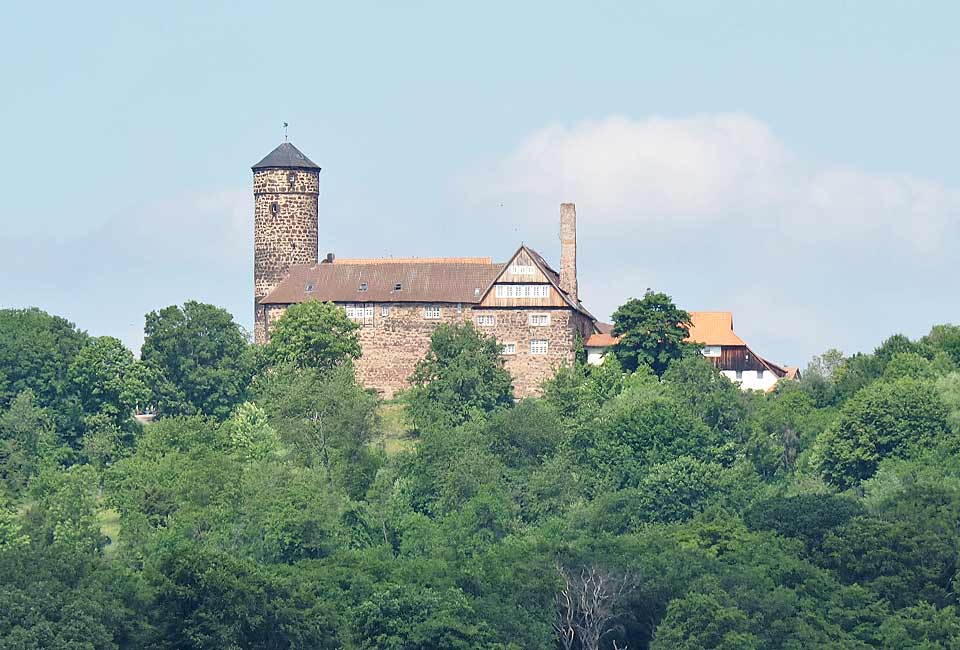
<point>285,125</point>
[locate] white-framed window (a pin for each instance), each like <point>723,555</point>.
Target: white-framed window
<point>431,312</point>
<point>486,320</point>
<point>509,348</point>
<point>711,350</point>
<point>539,346</point>
<point>359,312</point>
<point>522,269</point>
<point>384,310</point>
<point>522,290</point>
<point>538,320</point>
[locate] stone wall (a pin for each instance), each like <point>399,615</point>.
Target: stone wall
<point>393,343</point>
<point>284,229</point>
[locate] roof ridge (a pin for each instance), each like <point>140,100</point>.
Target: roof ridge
<point>413,260</point>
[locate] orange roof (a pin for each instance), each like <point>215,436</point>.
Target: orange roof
<point>713,328</point>
<point>601,340</point>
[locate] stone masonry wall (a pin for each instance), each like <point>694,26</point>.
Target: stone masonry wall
<point>284,230</point>
<point>393,344</point>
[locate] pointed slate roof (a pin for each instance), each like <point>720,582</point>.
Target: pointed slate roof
<point>286,156</point>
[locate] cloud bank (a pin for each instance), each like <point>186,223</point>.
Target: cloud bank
<point>721,213</point>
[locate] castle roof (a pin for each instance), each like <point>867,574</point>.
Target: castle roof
<point>376,280</point>
<point>445,279</point>
<point>286,156</point>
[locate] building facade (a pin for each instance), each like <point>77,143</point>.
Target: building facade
<point>713,332</point>
<point>532,310</point>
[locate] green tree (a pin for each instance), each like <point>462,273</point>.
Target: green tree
<point>54,599</point>
<point>327,419</point>
<point>207,598</point>
<point>200,357</point>
<point>313,334</point>
<point>36,350</point>
<point>66,505</point>
<point>407,617</point>
<point>945,338</point>
<point>11,534</point>
<point>705,621</point>
<point>108,380</point>
<point>461,378</point>
<point>27,442</point>
<point>653,332</point>
<point>886,419</point>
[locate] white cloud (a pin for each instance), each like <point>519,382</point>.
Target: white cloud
<point>727,171</point>
<point>720,213</point>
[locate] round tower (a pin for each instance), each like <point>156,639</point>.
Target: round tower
<point>286,186</point>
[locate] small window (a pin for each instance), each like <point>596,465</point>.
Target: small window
<point>539,346</point>
<point>459,307</point>
<point>711,351</point>
<point>363,286</point>
<point>274,208</point>
<point>521,269</point>
<point>486,320</point>
<point>398,286</point>
<point>509,348</point>
<point>309,287</point>
<point>432,312</point>
<point>739,375</point>
<point>760,374</point>
<point>384,310</point>
<point>538,320</point>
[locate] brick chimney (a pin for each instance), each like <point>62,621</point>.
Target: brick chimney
<point>568,249</point>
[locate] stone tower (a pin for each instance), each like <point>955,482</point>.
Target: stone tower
<point>286,186</point>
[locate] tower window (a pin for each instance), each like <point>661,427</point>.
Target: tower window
<point>363,286</point>
<point>398,286</point>
<point>274,208</point>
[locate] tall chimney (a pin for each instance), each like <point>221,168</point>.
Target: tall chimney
<point>568,249</point>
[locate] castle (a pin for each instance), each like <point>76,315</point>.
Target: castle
<point>533,311</point>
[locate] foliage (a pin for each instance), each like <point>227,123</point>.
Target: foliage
<point>653,332</point>
<point>326,418</point>
<point>27,442</point>
<point>199,359</point>
<point>884,419</point>
<point>313,334</point>
<point>672,509</point>
<point>461,378</point>
<point>108,380</point>
<point>36,350</point>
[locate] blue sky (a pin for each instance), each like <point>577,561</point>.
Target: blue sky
<point>795,163</point>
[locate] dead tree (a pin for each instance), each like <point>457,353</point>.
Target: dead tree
<point>589,604</point>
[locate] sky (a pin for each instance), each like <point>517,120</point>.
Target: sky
<point>794,163</point>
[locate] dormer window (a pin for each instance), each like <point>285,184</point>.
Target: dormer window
<point>309,287</point>
<point>398,286</point>
<point>363,287</point>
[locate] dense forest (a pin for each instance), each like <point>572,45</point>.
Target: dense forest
<point>645,503</point>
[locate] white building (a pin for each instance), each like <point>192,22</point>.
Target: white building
<point>714,331</point>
